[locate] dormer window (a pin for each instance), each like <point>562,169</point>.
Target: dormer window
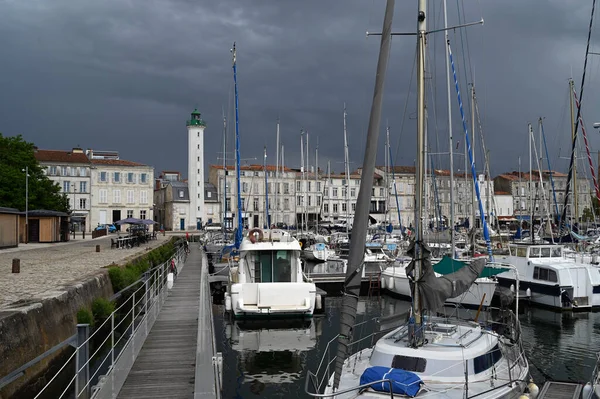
<point>181,194</point>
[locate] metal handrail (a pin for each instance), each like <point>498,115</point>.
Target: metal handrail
<point>152,295</point>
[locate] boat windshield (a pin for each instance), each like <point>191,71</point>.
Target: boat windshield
<point>273,266</point>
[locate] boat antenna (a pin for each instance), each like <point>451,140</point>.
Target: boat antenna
<point>238,232</point>
<point>361,217</point>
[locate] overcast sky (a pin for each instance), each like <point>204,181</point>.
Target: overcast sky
<point>125,75</point>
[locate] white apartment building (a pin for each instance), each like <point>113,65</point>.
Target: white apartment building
<point>120,189</point>
<point>71,171</point>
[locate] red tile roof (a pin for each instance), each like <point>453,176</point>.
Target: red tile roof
<point>59,156</point>
<point>116,162</point>
<point>257,168</point>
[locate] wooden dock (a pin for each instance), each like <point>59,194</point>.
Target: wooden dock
<point>560,390</point>
<point>166,364</point>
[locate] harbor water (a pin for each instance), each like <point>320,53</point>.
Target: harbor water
<point>271,359</point>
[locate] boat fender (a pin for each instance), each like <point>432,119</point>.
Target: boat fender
<point>318,303</point>
<point>524,396</point>
<point>390,283</point>
<point>528,292</point>
<point>533,390</point>
<point>512,288</point>
<point>252,237</point>
<point>499,245</point>
<point>227,302</point>
<point>587,391</point>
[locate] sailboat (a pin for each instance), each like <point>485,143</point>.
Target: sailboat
<point>428,356</point>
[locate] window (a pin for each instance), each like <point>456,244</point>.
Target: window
<point>83,187</point>
<point>243,201</point>
<point>74,171</point>
<point>353,206</point>
<point>53,170</point>
<point>103,176</point>
<point>117,196</point>
<point>541,273</point>
<point>143,178</point>
<point>130,178</point>
<point>318,201</point>
<point>326,208</point>
<point>309,186</point>
<point>66,186</point>
<point>181,193</point>
<point>381,192</point>
<point>408,363</point>
<point>344,192</point>
<point>269,188</point>
<point>335,208</point>
<point>334,192</point>
<point>310,200</point>
<point>244,187</point>
<point>286,204</point>
<point>130,213</point>
<point>228,205</point>
<point>298,201</point>
<point>319,186</point>
<point>344,208</point>
<point>209,210</point>
<point>298,185</point>
<point>255,204</point>
<point>208,194</point>
<point>130,197</point>
<point>255,188</point>
<point>103,196</point>
<point>286,188</point>
<point>64,171</point>
<point>357,182</point>
<point>353,192</point>
<point>487,360</point>
<point>82,172</point>
<point>143,214</point>
<point>143,197</point>
<point>82,203</point>
<point>117,177</point>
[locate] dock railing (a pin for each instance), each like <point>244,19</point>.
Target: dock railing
<point>114,343</point>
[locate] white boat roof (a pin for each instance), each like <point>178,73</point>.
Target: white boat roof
<point>272,239</point>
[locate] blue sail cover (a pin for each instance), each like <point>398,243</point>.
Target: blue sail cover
<point>403,382</point>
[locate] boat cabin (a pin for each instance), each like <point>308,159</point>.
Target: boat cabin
<point>536,251</point>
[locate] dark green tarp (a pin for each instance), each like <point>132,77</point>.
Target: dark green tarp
<point>448,265</point>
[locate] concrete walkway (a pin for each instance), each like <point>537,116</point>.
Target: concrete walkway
<point>166,364</point>
<point>48,270</point>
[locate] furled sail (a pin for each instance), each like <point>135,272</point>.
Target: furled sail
<point>435,290</point>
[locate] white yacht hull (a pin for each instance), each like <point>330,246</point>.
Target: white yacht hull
<point>394,280</point>
<point>250,300</point>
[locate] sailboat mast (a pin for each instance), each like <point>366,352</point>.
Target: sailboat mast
<point>240,226</point>
<point>223,227</point>
<point>317,191</point>
<point>573,134</point>
<point>277,183</point>
<point>473,212</point>
<point>347,172</point>
<point>452,233</point>
<point>307,193</point>
<point>420,169</point>
<point>302,178</point>
<point>267,221</point>
<point>530,190</point>
<point>352,281</point>
<point>387,173</point>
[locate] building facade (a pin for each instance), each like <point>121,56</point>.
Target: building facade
<point>120,189</point>
<point>71,170</point>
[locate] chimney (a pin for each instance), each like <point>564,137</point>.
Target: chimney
<point>77,150</point>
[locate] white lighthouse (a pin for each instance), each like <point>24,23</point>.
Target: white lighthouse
<point>195,127</point>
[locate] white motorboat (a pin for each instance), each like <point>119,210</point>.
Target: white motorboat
<point>316,249</point>
<point>268,280</point>
<point>550,278</point>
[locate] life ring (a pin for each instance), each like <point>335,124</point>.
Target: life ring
<point>251,236</point>
<point>499,245</point>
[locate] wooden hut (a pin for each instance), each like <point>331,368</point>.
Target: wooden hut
<point>9,227</point>
<point>45,226</point>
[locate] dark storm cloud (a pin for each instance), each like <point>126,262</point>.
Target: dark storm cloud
<point>125,75</point>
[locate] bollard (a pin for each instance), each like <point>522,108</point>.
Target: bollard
<point>97,248</point>
<point>84,234</point>
<point>16,265</point>
<point>82,386</point>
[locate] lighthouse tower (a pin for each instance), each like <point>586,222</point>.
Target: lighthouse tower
<point>195,127</point>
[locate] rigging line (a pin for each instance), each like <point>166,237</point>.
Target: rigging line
<point>587,148</point>
<point>462,47</point>
<point>573,146</point>
<point>549,167</point>
<point>406,104</point>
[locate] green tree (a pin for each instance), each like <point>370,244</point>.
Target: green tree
<point>587,215</point>
<point>15,155</point>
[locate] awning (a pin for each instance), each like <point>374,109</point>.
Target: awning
<point>448,265</point>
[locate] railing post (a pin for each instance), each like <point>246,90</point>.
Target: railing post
<point>112,340</point>
<point>133,313</point>
<point>82,364</point>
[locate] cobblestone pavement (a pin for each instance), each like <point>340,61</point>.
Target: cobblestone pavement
<point>48,269</point>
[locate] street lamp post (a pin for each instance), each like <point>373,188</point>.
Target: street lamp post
<point>26,170</point>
